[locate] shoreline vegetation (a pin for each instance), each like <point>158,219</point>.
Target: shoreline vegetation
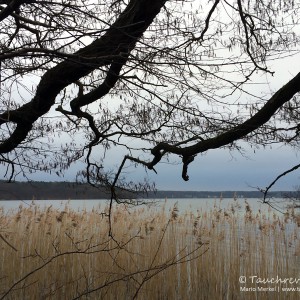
<point>212,253</point>
<point>73,190</point>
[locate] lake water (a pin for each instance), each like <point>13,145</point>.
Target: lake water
<point>189,204</point>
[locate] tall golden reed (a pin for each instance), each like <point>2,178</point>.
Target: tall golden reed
<point>153,254</point>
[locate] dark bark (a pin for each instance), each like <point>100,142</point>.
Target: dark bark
<point>11,6</point>
<point>112,50</point>
<point>282,96</point>
<point>120,38</point>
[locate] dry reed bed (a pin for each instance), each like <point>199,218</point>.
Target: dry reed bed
<point>154,254</point>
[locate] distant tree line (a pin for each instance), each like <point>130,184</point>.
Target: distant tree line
<point>73,190</point>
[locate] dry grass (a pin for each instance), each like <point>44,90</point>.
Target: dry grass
<point>155,254</point>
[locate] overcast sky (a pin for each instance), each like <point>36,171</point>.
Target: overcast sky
<point>221,170</point>
<point>218,169</point>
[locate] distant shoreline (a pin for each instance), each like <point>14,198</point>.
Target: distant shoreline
<point>77,191</point>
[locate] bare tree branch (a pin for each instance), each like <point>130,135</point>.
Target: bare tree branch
<point>261,117</point>
<point>277,178</point>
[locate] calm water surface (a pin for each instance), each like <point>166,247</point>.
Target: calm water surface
<point>188,204</point>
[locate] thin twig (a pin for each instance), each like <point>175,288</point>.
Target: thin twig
<point>7,242</point>
<point>277,178</point>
